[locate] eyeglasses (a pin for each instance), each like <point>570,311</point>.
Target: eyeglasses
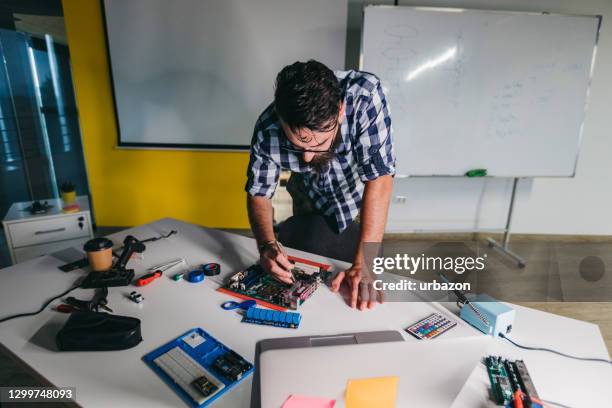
<point>290,147</point>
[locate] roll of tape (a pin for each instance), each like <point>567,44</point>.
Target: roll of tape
<point>195,276</point>
<point>211,269</point>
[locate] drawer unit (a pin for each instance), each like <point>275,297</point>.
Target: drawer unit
<point>60,228</point>
<point>29,236</point>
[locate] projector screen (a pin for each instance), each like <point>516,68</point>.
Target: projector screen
<point>197,73</point>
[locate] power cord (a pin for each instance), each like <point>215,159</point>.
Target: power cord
<point>4,319</point>
<point>556,404</point>
<point>600,360</point>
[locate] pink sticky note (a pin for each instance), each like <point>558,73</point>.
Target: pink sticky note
<point>302,401</point>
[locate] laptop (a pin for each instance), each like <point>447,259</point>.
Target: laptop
<point>431,372</point>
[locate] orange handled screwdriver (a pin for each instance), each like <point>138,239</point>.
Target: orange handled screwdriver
<point>148,278</point>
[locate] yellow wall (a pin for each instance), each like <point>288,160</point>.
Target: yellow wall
<point>132,187</point>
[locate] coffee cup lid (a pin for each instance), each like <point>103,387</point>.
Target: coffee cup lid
<point>97,244</point>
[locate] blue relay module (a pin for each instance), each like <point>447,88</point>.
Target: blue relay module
<point>198,367</point>
<point>272,318</point>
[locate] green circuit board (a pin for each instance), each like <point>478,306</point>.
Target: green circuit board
<point>501,387</point>
<point>254,283</point>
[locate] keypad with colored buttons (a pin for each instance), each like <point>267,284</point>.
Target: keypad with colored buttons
<point>431,326</point>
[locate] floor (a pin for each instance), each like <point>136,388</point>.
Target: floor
<point>565,277</point>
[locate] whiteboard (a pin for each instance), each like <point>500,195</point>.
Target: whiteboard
<point>474,89</point>
<point>197,73</point>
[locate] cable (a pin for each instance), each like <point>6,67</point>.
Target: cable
<point>556,404</point>
<point>162,236</point>
<point>4,319</point>
<point>601,360</point>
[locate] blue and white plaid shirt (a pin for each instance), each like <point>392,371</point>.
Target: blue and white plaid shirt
<point>364,153</point>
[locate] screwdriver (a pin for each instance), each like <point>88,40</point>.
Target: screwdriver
<point>148,278</point>
<point>157,271</point>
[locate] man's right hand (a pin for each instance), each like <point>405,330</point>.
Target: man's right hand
<point>274,261</point>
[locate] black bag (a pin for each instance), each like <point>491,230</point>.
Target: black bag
<point>96,331</point>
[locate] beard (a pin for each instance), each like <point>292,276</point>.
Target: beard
<point>321,161</point>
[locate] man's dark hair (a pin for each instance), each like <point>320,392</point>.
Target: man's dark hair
<point>307,95</point>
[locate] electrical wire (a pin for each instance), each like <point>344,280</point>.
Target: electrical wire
<point>162,236</point>
<point>4,319</point>
<point>555,404</point>
<point>600,360</point>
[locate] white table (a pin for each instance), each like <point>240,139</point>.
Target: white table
<point>120,378</point>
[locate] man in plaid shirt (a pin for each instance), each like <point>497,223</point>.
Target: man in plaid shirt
<point>333,131</point>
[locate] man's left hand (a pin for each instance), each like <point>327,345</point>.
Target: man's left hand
<point>359,282</point>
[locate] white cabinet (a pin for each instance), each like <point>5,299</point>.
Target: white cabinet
<point>29,236</point>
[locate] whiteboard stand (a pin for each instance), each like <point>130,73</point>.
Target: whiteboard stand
<point>503,247</point>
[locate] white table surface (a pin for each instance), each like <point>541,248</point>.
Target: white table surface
<point>121,379</point>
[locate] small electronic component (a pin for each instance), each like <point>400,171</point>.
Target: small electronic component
<point>272,318</point>
<point>432,326</point>
<point>205,386</point>
<point>511,383</point>
<point>254,283</point>
<point>525,378</point>
<point>500,382</point>
<point>231,366</point>
<point>136,297</point>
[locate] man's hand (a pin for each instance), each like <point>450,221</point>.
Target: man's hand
<point>360,285</point>
<point>274,261</point>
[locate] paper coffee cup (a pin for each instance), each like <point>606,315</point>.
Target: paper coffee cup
<point>100,254</point>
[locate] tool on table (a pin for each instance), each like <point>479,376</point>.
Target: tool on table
<point>177,277</point>
<point>432,326</point>
<point>167,265</point>
<point>198,367</point>
<point>83,262</point>
<point>157,271</point>
<point>118,275</point>
<point>64,308</point>
<point>231,305</point>
<point>148,278</point>
<point>98,301</point>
